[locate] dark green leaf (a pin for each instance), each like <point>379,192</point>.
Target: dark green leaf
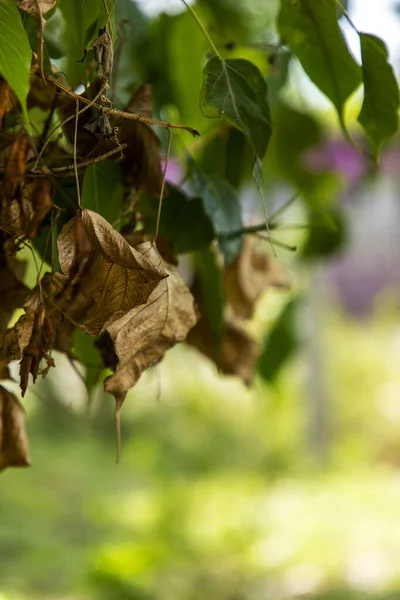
<point>210,292</point>
<point>280,343</point>
<point>102,189</point>
<point>235,90</point>
<point>15,51</point>
<point>222,205</point>
<point>87,353</point>
<point>327,235</point>
<point>183,220</point>
<point>311,30</point>
<point>379,112</point>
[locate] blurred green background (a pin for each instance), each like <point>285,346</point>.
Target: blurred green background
<point>287,489</point>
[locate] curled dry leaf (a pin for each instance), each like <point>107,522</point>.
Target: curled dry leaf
<point>36,9</point>
<point>14,448</point>
<point>117,277</point>
<point>141,165</point>
<point>237,353</point>
<point>249,275</point>
<point>103,48</point>
<point>142,336</point>
<point>32,336</point>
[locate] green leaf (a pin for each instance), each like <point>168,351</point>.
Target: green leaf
<point>235,90</point>
<point>183,220</point>
<point>311,31</point>
<point>280,344</point>
<point>102,189</point>
<point>328,235</point>
<point>89,355</point>
<point>211,293</point>
<point>222,204</point>
<point>379,112</point>
<point>15,51</point>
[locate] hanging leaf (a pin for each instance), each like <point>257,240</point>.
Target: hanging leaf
<point>141,165</point>
<point>222,204</point>
<point>117,277</point>
<point>183,220</point>
<point>312,32</point>
<point>379,112</point>
<point>36,9</point>
<point>238,350</point>
<point>15,51</point>
<point>235,90</point>
<point>249,275</point>
<point>280,343</point>
<point>14,448</point>
<point>102,190</point>
<point>13,293</point>
<point>144,334</point>
<point>32,336</point>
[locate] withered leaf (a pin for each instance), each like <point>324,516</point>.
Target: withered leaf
<point>32,336</point>
<point>13,293</point>
<point>117,278</point>
<point>238,350</point>
<point>15,168</point>
<point>5,100</point>
<point>142,336</point>
<point>36,8</point>
<point>252,272</point>
<point>141,165</point>
<point>24,214</point>
<point>14,448</point>
<point>103,48</point>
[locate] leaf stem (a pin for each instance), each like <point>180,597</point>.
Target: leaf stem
<point>163,182</point>
<point>202,29</point>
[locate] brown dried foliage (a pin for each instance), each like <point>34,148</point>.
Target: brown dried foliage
<point>14,449</point>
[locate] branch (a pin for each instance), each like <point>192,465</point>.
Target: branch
<point>86,163</point>
<point>120,113</point>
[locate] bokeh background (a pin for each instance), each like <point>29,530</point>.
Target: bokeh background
<point>286,489</point>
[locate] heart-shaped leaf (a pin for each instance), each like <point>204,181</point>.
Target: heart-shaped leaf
<point>235,90</point>
<point>379,112</point>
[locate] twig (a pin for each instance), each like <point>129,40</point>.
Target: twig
<point>163,182</point>
<point>78,191</point>
<point>87,163</point>
<point>120,113</point>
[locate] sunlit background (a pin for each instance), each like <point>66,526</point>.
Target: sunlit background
<point>280,491</point>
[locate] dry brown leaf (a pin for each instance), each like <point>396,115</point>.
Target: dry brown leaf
<point>238,350</point>
<point>141,165</point>
<point>5,101</point>
<point>32,336</point>
<point>36,9</point>
<point>142,337</point>
<point>13,293</point>
<point>4,371</point>
<point>15,168</point>
<point>24,214</point>
<point>14,448</point>
<point>118,277</point>
<point>249,275</point>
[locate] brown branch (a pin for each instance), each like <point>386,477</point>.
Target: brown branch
<point>87,163</point>
<point>120,113</point>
